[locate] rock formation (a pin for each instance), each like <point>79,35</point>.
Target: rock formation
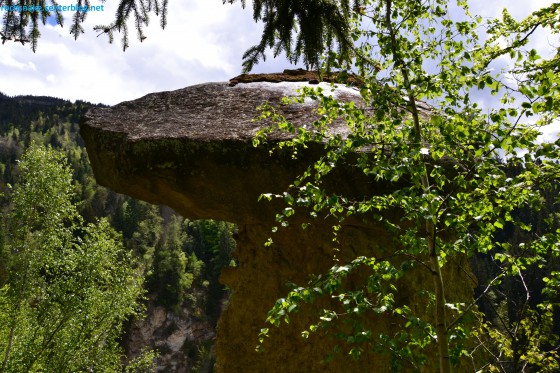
<point>191,149</point>
<point>172,333</point>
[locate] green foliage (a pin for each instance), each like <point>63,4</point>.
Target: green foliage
<point>302,29</point>
<point>144,226</point>
<point>191,253</point>
<point>205,360</point>
<point>69,287</point>
<point>171,275</point>
<point>145,363</point>
<point>447,191</point>
<point>212,242</point>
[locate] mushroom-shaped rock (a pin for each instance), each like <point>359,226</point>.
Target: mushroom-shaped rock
<point>192,150</point>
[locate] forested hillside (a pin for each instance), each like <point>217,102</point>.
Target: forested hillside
<point>179,260</point>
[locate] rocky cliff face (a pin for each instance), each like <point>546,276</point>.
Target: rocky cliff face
<point>191,149</point>
<point>174,334</point>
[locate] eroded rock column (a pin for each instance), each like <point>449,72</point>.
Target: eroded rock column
<point>192,150</point>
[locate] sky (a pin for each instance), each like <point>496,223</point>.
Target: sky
<point>204,41</point>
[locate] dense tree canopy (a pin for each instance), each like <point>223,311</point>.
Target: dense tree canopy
<point>147,230</point>
<point>68,287</point>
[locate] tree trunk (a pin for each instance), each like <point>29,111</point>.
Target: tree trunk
<point>439,314</point>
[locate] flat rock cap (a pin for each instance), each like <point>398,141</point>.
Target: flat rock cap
<point>210,111</point>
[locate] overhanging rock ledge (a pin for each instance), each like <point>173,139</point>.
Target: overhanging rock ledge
<point>191,149</point>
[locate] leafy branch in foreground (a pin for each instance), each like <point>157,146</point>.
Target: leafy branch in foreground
<point>461,178</point>
<point>68,287</point>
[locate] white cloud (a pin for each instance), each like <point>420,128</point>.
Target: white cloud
<point>51,78</point>
<point>517,8</point>
<point>204,41</point>
<point>9,61</point>
<point>551,132</point>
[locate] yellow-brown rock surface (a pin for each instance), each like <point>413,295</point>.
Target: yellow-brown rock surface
<point>191,149</point>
